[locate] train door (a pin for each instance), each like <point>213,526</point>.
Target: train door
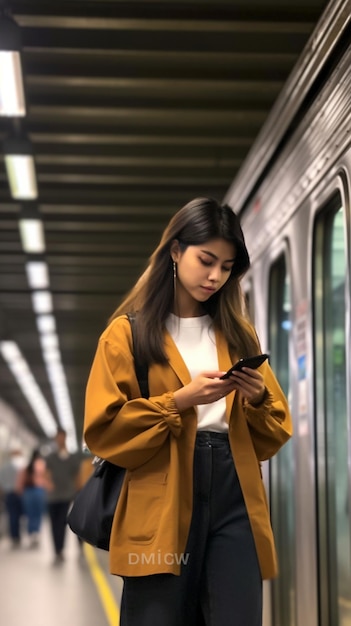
<point>331,314</point>
<point>281,467</point>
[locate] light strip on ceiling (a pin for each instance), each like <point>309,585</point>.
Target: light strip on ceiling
<point>32,235</point>
<point>46,324</point>
<point>49,341</point>
<point>21,175</point>
<point>42,302</point>
<point>26,381</point>
<point>59,387</point>
<point>33,241</point>
<point>12,101</point>
<point>37,274</point>
<point>52,357</point>
<point>12,97</point>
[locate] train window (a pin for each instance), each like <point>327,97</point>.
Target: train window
<point>330,333</point>
<point>281,466</point>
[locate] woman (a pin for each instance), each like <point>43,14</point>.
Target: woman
<point>32,485</point>
<point>191,533</point>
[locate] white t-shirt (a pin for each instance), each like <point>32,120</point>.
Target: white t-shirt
<point>195,340</point>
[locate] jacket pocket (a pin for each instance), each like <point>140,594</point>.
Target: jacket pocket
<point>146,495</point>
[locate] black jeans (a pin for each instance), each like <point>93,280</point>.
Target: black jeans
<point>14,507</point>
<point>220,582</point>
<point>58,517</point>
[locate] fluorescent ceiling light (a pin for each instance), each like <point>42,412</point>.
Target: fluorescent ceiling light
<point>51,355</point>
<point>32,235</point>
<point>30,388</point>
<point>12,101</point>
<point>37,274</point>
<point>42,302</point>
<point>63,403</point>
<point>26,381</point>
<point>49,341</point>
<point>10,351</point>
<point>46,324</point>
<point>20,170</point>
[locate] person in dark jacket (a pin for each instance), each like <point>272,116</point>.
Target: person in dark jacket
<point>62,474</point>
<point>9,486</point>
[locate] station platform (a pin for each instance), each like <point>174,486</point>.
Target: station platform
<point>36,592</point>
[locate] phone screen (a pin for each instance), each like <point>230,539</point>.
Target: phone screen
<point>253,361</point>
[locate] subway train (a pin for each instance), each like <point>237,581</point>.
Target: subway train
<point>294,203</point>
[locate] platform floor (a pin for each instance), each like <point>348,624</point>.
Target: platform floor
<point>78,592</point>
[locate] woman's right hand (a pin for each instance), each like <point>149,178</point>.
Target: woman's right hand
<point>205,388</point>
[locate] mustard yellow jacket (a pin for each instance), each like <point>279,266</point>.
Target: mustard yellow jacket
<point>156,444</point>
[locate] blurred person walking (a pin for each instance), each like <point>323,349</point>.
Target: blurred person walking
<point>32,484</point>
<point>9,473</point>
<point>62,476</point>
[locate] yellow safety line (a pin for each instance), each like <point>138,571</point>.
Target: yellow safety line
<point>104,590</point>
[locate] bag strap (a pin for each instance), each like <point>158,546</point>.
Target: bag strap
<point>141,369</point>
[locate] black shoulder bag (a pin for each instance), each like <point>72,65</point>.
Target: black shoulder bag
<point>93,508</point>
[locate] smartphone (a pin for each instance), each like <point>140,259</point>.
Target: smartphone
<point>252,361</point>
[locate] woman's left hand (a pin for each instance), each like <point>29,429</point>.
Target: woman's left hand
<point>250,384</point>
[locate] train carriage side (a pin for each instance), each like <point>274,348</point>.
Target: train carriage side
<point>297,227</point>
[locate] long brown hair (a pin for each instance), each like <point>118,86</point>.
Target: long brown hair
<point>152,296</point>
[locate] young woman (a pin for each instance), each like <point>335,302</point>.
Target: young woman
<point>32,486</point>
<point>191,534</point>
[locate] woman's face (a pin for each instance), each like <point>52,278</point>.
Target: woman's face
<point>201,271</point>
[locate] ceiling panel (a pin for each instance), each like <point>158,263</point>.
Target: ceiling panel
<point>133,109</point>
